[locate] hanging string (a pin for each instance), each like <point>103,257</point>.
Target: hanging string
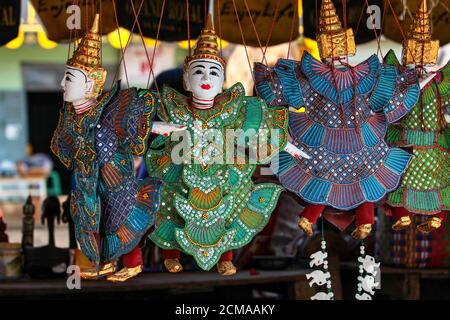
<point>444,6</point>
<point>324,250</point>
<point>122,57</point>
<point>154,48</point>
<point>121,47</point>
<point>323,229</point>
<point>292,28</point>
<point>317,18</point>
<point>361,14</point>
<point>188,28</point>
<point>271,29</point>
<point>86,14</point>
<point>377,36</point>
<point>254,28</point>
<point>256,31</point>
<point>396,19</point>
<point>93,11</point>
<point>220,29</point>
<point>136,17</point>
<point>101,28</point>
<point>243,41</point>
<point>257,38</point>
<point>383,20</point>
<point>71,33</point>
<point>344,14</point>
<point>76,29</point>
<point>71,38</point>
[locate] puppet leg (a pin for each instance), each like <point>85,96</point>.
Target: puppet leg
<point>402,218</point>
<point>309,216</point>
<point>225,265</point>
<point>93,273</point>
<point>434,222</point>
<point>172,260</point>
<point>132,266</point>
<point>364,219</point>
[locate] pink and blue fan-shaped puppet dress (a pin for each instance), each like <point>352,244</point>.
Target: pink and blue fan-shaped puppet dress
<point>347,110</point>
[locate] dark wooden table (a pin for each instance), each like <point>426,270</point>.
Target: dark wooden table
<point>295,281</point>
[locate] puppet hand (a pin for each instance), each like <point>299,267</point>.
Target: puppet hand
<point>165,128</point>
<point>295,152</point>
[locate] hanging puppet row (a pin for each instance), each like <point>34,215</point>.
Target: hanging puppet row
<point>369,132</point>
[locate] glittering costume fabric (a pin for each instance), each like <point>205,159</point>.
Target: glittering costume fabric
<point>210,208</point>
<point>111,208</point>
<point>425,187</point>
<point>342,129</point>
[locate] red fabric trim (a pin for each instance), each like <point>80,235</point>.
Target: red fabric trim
<point>365,214</point>
<point>171,254</point>
<point>399,212</point>
<point>443,216</point>
<point>133,258</point>
<point>312,212</point>
<point>226,256</point>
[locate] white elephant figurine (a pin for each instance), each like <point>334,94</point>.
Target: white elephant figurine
<point>363,296</point>
<point>368,283</point>
<point>369,264</point>
<point>323,296</point>
<point>317,258</point>
<point>318,277</point>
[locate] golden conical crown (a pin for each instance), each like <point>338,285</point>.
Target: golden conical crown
<point>420,26</point>
<point>329,20</point>
<point>87,56</point>
<point>332,39</point>
<point>206,47</point>
<point>418,48</point>
<point>87,53</point>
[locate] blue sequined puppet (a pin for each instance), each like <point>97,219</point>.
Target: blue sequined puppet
<point>96,137</point>
<point>343,128</point>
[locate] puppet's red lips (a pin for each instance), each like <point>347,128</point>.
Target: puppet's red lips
<point>205,86</point>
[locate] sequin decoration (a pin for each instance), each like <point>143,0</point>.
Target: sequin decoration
<point>107,202</point>
<point>347,110</point>
<point>425,187</point>
<point>210,207</point>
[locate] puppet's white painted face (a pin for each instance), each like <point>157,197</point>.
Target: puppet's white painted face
<point>76,85</point>
<point>204,78</point>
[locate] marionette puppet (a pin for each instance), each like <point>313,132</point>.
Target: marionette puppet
<point>96,137</point>
<point>343,128</point>
<point>425,185</point>
<point>209,207</point>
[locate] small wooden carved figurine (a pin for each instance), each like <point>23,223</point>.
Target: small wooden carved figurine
<point>51,209</point>
<point>28,210</point>
<point>67,218</point>
<point>48,261</point>
<point>3,235</point>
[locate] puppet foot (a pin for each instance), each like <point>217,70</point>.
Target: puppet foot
<point>173,265</point>
<point>92,273</point>
<point>305,226</point>
<point>125,274</point>
<point>402,223</point>
<point>431,224</point>
<point>226,268</point>
<point>361,232</point>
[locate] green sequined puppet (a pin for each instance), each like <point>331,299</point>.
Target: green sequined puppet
<point>425,186</point>
<point>210,206</point>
